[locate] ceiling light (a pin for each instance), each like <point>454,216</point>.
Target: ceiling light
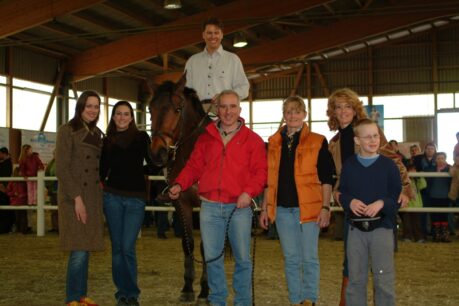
<point>239,40</point>
<point>172,4</point>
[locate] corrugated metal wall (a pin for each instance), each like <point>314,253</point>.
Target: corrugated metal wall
<point>404,67</point>
<point>40,68</point>
<point>31,66</point>
<point>2,60</point>
<point>448,59</point>
<point>120,88</point>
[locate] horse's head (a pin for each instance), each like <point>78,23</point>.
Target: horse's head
<point>166,110</point>
<point>174,111</point>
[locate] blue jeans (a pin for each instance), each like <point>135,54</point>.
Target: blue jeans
<point>124,216</point>
<point>299,242</point>
<point>77,276</point>
<point>213,220</point>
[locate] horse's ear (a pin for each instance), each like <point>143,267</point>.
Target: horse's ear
<point>181,83</point>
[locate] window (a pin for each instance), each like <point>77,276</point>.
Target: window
<point>28,96</point>
<point>393,129</point>
<point>404,106</point>
<point>2,101</point>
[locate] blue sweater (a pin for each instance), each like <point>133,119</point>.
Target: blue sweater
<point>379,181</point>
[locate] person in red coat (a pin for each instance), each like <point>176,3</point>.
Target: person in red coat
<point>17,192</point>
<point>229,164</point>
<point>29,164</point>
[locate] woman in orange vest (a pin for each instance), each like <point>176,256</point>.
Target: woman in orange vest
<point>300,179</point>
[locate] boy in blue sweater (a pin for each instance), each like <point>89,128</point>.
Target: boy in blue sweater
<point>370,186</point>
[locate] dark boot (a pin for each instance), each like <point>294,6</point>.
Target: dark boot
<point>342,302</point>
<point>436,232</point>
<point>444,232</point>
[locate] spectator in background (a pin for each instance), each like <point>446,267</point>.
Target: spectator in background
<point>6,168</point>
<point>454,189</point>
<point>81,224</point>
<point>425,162</point>
<point>412,230</point>
<point>456,147</point>
<point>29,164</point>
<point>17,191</point>
<point>394,146</point>
<point>51,186</point>
<point>438,194</point>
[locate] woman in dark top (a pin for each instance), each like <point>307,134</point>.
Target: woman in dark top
<point>122,170</point>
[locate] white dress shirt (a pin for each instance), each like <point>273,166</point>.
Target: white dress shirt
<point>210,74</point>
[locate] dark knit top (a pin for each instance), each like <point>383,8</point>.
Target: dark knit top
<point>346,141</point>
<point>122,163</point>
<point>379,181</point>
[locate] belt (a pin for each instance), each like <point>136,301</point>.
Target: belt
<point>206,101</point>
<point>366,224</point>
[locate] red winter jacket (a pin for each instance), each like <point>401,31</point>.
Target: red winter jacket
<point>17,191</point>
<point>224,173</point>
<point>30,165</point>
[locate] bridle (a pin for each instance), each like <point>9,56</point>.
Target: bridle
<point>172,148</point>
<point>180,140</point>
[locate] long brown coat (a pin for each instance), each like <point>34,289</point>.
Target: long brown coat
<point>77,170</point>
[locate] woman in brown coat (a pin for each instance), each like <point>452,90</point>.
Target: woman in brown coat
<point>81,225</point>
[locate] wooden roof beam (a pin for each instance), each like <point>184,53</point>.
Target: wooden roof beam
<point>342,32</point>
<point>20,15</point>
<point>186,31</point>
<point>134,15</point>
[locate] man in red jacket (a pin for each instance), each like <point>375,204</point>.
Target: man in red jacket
<point>229,164</point>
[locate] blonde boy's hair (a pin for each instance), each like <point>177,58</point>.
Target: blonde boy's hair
<point>363,122</point>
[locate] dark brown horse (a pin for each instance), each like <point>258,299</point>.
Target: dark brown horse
<point>177,120</point>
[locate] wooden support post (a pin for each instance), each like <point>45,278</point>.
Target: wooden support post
<point>57,84</point>
<point>321,80</point>
<point>9,87</point>
<point>295,88</point>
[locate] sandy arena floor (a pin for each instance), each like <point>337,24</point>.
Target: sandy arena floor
<point>33,272</point>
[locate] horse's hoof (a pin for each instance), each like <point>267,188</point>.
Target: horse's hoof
<point>202,302</point>
<point>187,297</point>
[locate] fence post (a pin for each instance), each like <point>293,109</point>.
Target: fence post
<point>41,203</point>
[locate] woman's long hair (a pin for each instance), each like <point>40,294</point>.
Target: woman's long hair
<point>352,98</point>
<point>111,128</point>
<point>77,121</point>
<point>23,154</point>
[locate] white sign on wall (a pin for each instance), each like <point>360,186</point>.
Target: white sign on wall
<point>42,143</point>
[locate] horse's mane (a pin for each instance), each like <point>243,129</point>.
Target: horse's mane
<point>169,88</point>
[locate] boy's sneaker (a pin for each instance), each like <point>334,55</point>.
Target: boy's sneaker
<point>85,301</point>
<point>122,302</point>
<point>133,302</point>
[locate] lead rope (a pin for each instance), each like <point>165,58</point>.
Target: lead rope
<point>187,236</point>
<point>254,243</point>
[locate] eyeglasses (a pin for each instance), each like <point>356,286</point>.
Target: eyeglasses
<point>370,137</point>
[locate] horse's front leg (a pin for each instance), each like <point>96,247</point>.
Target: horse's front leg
<point>202,297</point>
<point>185,210</point>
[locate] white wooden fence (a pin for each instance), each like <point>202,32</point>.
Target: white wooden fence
<point>41,195</point>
